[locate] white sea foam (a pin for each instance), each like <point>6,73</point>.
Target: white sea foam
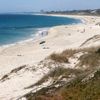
<point>41,32</point>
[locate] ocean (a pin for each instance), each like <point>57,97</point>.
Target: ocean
<point>19,27</point>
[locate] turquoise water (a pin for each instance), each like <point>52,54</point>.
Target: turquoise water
<point>17,27</point>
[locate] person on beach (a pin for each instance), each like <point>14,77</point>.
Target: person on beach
<point>42,34</point>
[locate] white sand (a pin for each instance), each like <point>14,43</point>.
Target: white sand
<point>58,39</point>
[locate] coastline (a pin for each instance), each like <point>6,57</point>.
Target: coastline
<point>34,52</point>
<point>38,35</point>
<point>35,38</point>
<point>31,52</point>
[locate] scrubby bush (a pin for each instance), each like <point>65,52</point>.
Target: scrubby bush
<point>59,58</point>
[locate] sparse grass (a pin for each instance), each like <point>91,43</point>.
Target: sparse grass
<point>90,49</point>
<point>59,58</point>
<point>91,59</point>
<point>64,56</point>
<point>76,91</point>
<point>83,91</point>
<point>5,77</point>
<point>18,69</point>
<point>56,73</point>
<point>69,52</point>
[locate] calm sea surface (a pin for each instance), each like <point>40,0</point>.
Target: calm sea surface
<point>17,27</point>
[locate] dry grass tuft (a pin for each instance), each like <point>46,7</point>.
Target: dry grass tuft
<point>91,59</point>
<point>77,90</point>
<point>57,72</point>
<point>70,52</point>
<point>59,58</point>
<point>64,56</point>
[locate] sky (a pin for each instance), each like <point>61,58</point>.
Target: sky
<point>46,5</point>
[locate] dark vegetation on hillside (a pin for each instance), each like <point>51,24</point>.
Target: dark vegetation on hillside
<point>76,90</point>
<point>77,12</point>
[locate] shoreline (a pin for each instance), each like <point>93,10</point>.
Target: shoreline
<point>38,36</point>
<point>35,38</point>
<point>56,41</point>
<point>13,55</point>
<point>29,54</point>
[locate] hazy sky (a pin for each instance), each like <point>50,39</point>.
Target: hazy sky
<point>36,5</point>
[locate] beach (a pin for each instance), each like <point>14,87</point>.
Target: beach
<point>58,39</point>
